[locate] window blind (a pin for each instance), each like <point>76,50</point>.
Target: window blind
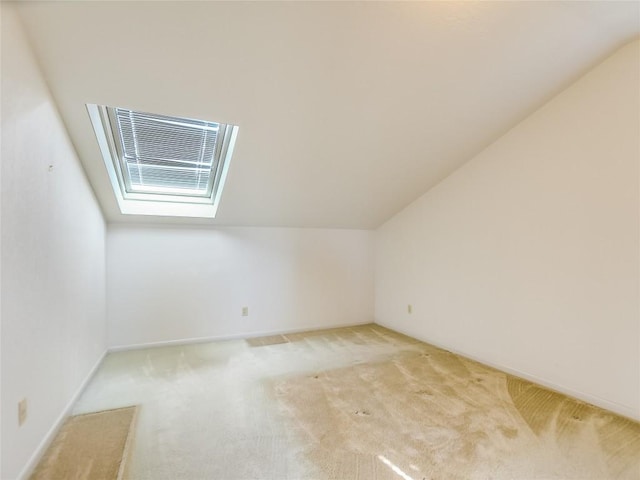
<point>167,155</point>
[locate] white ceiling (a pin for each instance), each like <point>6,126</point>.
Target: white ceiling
<point>347,111</point>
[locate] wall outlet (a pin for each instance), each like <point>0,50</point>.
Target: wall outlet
<point>245,311</point>
<point>22,411</point>
<point>409,308</point>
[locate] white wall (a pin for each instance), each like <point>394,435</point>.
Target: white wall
<point>181,283</point>
<point>52,257</point>
<point>527,257</point>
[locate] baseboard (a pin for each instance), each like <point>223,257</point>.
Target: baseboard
<point>235,336</point>
<point>48,438</point>
<point>614,407</point>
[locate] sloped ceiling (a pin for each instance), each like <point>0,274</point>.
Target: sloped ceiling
<point>347,111</point>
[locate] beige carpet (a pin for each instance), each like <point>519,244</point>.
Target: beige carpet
<point>92,446</point>
<point>354,403</point>
<point>435,415</point>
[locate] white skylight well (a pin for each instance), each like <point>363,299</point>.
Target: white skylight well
<point>162,165</point>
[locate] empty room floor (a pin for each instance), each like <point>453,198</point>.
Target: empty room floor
<point>351,403</point>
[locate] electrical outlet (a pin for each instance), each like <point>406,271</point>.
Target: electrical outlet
<point>245,311</point>
<point>22,411</point>
<point>409,308</point>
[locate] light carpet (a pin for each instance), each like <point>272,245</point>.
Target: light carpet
<point>351,403</point>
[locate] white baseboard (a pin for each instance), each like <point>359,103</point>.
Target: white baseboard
<point>235,336</point>
<point>617,408</point>
<point>27,470</point>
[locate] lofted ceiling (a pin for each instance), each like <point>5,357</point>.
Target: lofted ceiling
<point>347,111</point>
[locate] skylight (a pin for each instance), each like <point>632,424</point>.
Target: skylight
<point>162,165</point>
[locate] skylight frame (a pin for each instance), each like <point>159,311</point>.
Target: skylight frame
<point>137,203</point>
<point>119,145</point>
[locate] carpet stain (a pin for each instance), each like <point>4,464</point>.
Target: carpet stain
<point>552,414</point>
<point>91,446</point>
<point>433,414</point>
<point>264,341</point>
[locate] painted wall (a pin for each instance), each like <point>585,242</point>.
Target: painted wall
<point>527,257</point>
<point>52,257</point>
<point>176,283</point>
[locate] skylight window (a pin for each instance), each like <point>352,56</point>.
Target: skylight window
<point>162,165</point>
